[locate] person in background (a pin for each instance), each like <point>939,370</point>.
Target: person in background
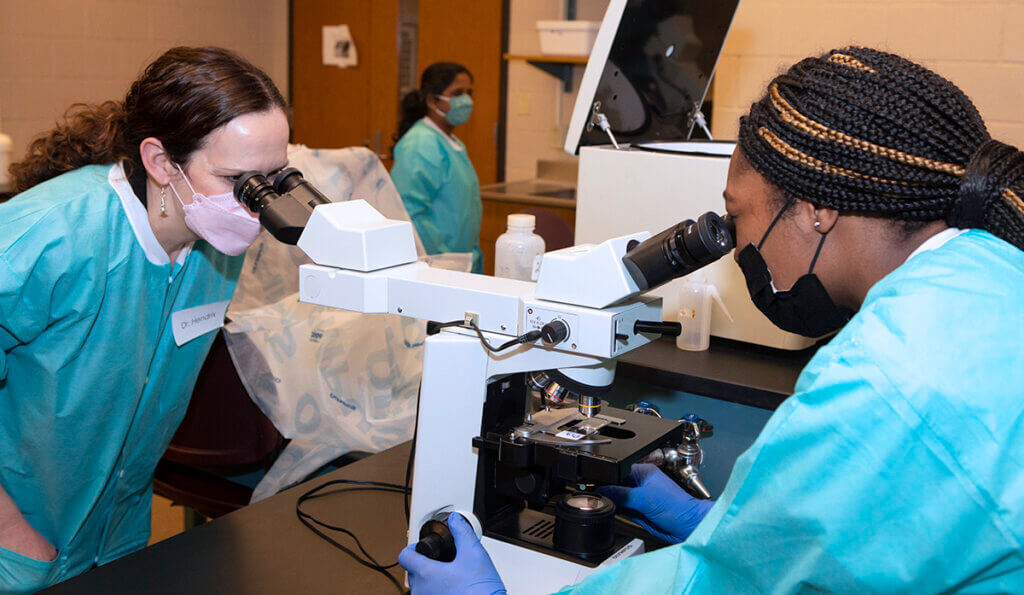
<point>124,223</point>
<point>863,183</point>
<point>432,171</point>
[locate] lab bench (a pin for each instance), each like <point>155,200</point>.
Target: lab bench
<point>731,371</point>
<point>263,548</point>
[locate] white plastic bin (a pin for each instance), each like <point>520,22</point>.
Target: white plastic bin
<point>567,38</point>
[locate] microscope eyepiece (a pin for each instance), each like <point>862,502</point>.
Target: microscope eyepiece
<point>285,206</point>
<point>254,191</point>
<point>286,179</point>
<point>679,250</point>
<point>290,181</point>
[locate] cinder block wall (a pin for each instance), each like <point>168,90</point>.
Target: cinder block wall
<point>978,44</point>
<point>57,52</point>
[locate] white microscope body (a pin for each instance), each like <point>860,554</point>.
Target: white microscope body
<point>585,287</point>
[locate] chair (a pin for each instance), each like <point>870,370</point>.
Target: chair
<point>556,232</point>
<point>223,434</point>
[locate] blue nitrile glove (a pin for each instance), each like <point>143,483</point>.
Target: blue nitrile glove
<point>470,573</point>
<point>658,504</point>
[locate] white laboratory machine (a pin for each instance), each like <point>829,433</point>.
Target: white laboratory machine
<point>638,103</point>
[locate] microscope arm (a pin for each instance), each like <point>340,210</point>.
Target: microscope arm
<point>400,285</point>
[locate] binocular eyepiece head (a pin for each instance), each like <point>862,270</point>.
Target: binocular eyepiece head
<point>284,206</point>
<point>679,250</point>
<point>254,191</point>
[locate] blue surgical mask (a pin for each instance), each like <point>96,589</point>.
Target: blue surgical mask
<point>459,109</point>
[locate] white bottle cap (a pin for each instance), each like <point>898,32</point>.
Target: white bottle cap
<point>522,221</point>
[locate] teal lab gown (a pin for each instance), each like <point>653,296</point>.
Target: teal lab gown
<point>92,384</point>
<point>440,190</point>
<point>898,465</point>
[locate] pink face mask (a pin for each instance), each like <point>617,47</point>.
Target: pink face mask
<point>220,220</point>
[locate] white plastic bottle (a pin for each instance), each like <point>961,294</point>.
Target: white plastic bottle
<point>516,252</point>
<point>695,312</point>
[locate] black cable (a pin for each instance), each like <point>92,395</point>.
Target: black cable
<point>412,451</point>
<point>528,337</point>
<point>354,486</point>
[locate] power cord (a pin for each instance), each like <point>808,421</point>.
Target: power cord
<point>354,485</point>
<point>528,337</point>
<point>412,452</point>
<point>312,523</point>
<point>369,561</point>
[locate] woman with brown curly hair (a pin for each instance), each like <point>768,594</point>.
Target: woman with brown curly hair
<point>116,259</point>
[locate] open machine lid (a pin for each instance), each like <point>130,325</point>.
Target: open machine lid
<point>649,70</point>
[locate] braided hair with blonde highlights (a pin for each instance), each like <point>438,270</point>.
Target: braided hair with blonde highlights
<point>864,131</point>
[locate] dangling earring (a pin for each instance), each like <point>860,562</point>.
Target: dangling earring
<point>163,199</point>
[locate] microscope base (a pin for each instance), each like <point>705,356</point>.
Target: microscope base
<point>527,572</point>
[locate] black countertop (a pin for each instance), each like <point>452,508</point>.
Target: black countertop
<point>263,548</point>
<point>729,370</point>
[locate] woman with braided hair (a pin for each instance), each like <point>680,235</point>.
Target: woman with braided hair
<point>866,185</point>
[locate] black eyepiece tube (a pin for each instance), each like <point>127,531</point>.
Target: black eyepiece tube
<point>285,207</point>
<point>679,250</point>
<point>254,191</point>
<point>290,181</point>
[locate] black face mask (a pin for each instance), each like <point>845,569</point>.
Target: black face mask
<point>805,309</point>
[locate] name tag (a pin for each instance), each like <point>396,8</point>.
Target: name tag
<point>193,322</point>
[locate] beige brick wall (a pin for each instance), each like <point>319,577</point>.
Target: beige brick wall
<point>538,107</point>
<point>57,52</point>
<point>978,44</point>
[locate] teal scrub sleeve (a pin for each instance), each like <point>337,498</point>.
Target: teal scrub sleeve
<point>417,174</point>
<point>21,574</point>
<point>22,318</point>
<point>837,494</point>
<point>44,282</point>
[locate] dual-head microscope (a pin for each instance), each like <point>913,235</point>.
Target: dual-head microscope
<point>512,430</point>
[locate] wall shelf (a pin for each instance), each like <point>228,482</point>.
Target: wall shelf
<point>557,66</point>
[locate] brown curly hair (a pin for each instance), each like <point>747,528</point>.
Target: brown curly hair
<point>180,98</point>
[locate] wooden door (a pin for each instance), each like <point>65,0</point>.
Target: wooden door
<point>344,107</point>
<point>469,32</point>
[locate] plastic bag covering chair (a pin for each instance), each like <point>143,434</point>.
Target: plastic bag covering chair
<point>223,434</point>
<point>556,232</point>
<point>332,381</point>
